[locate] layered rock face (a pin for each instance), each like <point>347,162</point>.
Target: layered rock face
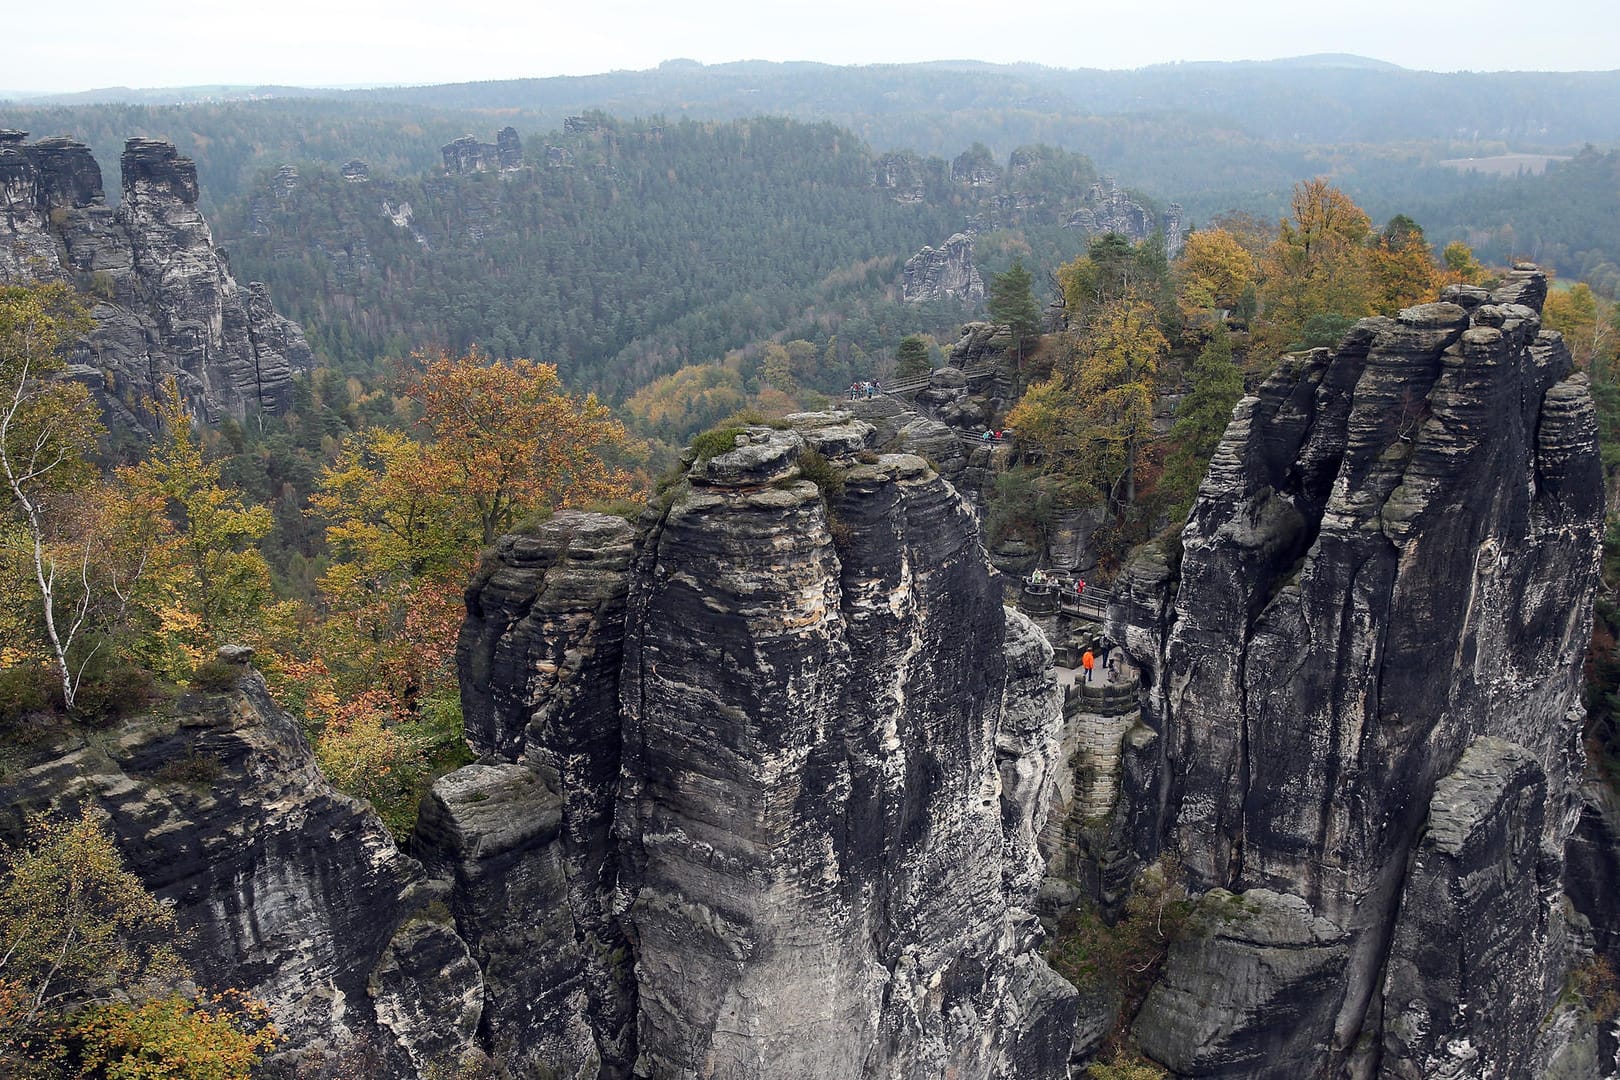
<point>468,155</point>
<point>163,299</point>
<point>1108,209</point>
<point>947,271</point>
<point>1365,699</point>
<point>797,781</point>
<point>285,888</point>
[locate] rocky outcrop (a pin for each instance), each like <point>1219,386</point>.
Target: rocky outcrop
<point>906,176</point>
<point>976,167</point>
<point>975,344</point>
<point>468,155</point>
<point>539,658</point>
<point>1365,689</point>
<point>1250,993</point>
<point>781,762</point>
<point>815,926</point>
<point>948,271</point>
<point>283,887</point>
<point>1453,973</point>
<point>1110,209</point>
<point>162,296</point>
<point>1175,230</point>
<point>495,832</point>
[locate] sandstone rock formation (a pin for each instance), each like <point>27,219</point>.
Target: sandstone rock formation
<point>283,886</point>
<point>1364,699</point>
<point>468,155</point>
<point>164,301</point>
<point>948,271</point>
<point>906,175</point>
<point>797,753</point>
<point>1109,209</point>
<point>975,167</point>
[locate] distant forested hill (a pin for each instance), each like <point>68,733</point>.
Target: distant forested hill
<point>234,141</point>
<point>1568,218</point>
<point>696,255</point>
<point>629,249</point>
<point>1326,99</point>
<point>1208,135</point>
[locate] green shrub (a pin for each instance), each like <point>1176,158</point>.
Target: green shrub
<point>1597,986</point>
<point>194,768</point>
<point>814,467</point>
<point>715,441</point>
<point>117,690</point>
<point>629,509</point>
<point>216,676</point>
<point>829,480</point>
<point>748,417</point>
<point>1126,1065</point>
<point>1123,960</point>
<point>529,524</point>
<point>28,690</point>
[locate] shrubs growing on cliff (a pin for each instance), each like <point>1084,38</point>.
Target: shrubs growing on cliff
<point>89,979</point>
<point>715,441</point>
<point>1121,962</point>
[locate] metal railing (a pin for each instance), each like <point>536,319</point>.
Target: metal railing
<point>910,386</point>
<point>1090,604</point>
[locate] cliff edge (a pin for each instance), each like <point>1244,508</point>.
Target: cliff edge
<point>1363,690</point>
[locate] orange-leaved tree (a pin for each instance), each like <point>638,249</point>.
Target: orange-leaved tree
<point>515,438</point>
<point>406,518</point>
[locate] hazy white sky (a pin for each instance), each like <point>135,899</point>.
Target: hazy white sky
<point>356,42</point>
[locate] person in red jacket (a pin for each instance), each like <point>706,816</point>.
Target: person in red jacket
<point>1088,662</point>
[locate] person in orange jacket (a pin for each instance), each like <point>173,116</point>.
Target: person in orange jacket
<point>1088,662</point>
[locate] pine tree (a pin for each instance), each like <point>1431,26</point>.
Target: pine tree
<point>911,359</point>
<point>1013,305</point>
<point>1201,420</point>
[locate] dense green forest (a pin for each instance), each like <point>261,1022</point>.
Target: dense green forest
<point>641,248</point>
<point>1210,136</point>
<point>1568,218</point>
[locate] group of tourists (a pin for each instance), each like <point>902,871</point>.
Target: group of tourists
<point>993,436</point>
<point>868,389</point>
<point>1041,577</point>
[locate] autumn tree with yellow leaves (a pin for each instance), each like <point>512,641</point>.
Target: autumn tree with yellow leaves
<point>1213,271</point>
<point>206,581</point>
<point>1329,267</point>
<point>1088,421</point>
